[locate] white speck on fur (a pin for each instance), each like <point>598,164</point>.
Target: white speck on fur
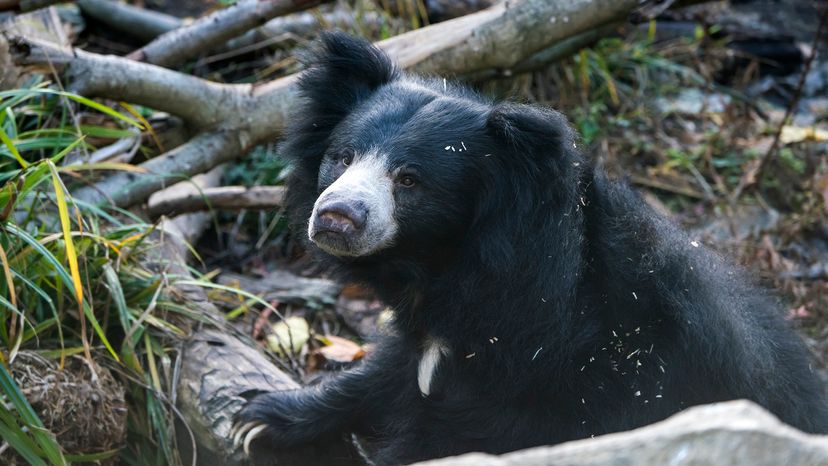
<point>432,355</point>
<point>464,145</point>
<point>694,243</point>
<point>635,296</point>
<point>536,353</point>
<point>470,355</point>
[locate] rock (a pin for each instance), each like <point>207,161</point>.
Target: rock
<point>732,433</point>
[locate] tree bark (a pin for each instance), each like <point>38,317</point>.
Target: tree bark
<point>219,368</point>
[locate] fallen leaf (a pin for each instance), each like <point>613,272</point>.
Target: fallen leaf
<point>794,134</point>
<point>290,334</point>
<point>342,350</point>
<point>800,312</point>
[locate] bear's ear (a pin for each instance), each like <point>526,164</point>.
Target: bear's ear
<point>531,130</point>
<point>344,71</point>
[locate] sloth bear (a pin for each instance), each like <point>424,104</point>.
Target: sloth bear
<point>536,301</point>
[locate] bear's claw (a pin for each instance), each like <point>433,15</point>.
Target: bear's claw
<point>244,433</point>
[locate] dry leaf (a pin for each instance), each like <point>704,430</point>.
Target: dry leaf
<point>290,334</point>
<point>794,134</point>
<point>342,350</point>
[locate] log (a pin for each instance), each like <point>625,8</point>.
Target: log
<point>210,360</point>
<point>220,368</point>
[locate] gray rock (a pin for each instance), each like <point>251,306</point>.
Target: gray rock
<point>732,433</point>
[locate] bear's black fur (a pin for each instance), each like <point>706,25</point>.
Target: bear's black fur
<point>566,307</point>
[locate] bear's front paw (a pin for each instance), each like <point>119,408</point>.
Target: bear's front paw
<point>280,417</point>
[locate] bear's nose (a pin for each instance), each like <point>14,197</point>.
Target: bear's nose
<point>341,216</point>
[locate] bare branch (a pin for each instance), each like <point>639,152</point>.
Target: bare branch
<point>138,22</point>
<point>196,156</point>
<point>187,42</point>
<point>200,102</point>
<point>224,197</point>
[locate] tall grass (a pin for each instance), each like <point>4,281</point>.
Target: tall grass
<point>71,275</point>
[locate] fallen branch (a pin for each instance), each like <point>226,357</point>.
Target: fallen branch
<point>221,198</point>
<point>235,118</point>
<point>187,42</point>
<point>141,23</point>
<point>200,154</point>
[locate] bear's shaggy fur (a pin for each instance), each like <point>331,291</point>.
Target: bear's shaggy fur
<point>536,300</point>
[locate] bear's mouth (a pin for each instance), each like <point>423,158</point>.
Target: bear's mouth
<point>333,242</point>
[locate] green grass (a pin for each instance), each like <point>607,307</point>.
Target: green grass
<point>72,279</point>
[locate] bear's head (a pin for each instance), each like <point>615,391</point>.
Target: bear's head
<point>396,166</point>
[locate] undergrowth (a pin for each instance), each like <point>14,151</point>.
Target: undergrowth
<point>74,281</point>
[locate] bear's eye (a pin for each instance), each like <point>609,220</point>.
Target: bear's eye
<point>346,158</point>
<point>407,181</point>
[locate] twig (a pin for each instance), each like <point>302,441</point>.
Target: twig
<point>670,188</point>
<point>224,197</point>
<point>187,42</point>
<point>754,171</point>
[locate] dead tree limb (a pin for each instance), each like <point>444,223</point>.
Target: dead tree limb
<point>141,23</point>
<point>126,189</point>
<point>187,42</point>
<point>224,197</point>
<point>235,118</point>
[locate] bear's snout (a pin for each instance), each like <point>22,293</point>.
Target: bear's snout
<point>341,217</point>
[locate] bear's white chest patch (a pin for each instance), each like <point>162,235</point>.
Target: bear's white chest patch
<point>433,352</point>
